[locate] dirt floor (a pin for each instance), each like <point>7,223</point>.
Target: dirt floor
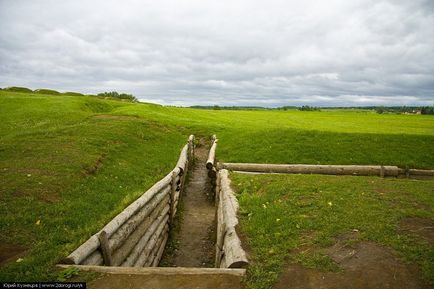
<point>195,240</point>
<point>365,265</point>
<point>10,253</point>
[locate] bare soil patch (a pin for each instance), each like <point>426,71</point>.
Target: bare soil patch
<point>93,169</point>
<point>420,227</point>
<point>365,265</point>
<point>10,253</point>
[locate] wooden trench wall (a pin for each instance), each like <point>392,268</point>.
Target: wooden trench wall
<point>137,236</point>
<point>228,248</point>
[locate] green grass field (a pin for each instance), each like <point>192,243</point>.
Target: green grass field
<point>281,213</point>
<point>68,164</point>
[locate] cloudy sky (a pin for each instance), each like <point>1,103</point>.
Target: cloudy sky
<point>265,53</point>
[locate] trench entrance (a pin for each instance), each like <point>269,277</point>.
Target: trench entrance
<point>194,239</point>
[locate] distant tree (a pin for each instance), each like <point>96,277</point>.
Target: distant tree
<point>216,107</point>
<point>427,110</point>
<point>308,108</point>
<point>122,96</point>
<point>380,110</point>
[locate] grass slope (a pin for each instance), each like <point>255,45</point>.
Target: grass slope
<point>281,213</point>
<point>326,137</point>
<point>67,166</point>
<point>70,163</point>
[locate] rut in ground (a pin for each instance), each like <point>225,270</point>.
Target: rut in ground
<point>195,239</point>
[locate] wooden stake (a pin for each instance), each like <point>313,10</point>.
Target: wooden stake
<point>211,155</point>
<point>106,252</point>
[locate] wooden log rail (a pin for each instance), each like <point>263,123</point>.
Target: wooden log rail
<point>211,161</point>
<point>137,236</point>
<point>229,252</point>
<point>355,170</point>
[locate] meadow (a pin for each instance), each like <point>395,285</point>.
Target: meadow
<point>68,164</point>
<point>290,219</point>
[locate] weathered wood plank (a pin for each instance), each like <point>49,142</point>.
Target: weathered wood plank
<point>357,170</point>
<point>163,271</point>
<point>160,251</point>
<point>234,255</point>
<point>183,159</point>
<point>137,250</point>
<point>211,155</point>
<point>150,245</point>
<point>125,249</point>
<point>119,237</point>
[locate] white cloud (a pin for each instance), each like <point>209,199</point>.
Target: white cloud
<point>224,52</point>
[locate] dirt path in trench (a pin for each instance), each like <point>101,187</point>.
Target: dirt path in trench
<point>195,239</point>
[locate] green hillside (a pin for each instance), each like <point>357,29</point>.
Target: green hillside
<point>70,163</point>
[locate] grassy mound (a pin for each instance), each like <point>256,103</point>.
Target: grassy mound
<point>18,89</point>
<point>47,91</point>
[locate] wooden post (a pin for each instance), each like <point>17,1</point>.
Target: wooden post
<point>106,253</point>
<point>173,188</point>
<point>211,156</point>
<point>381,171</point>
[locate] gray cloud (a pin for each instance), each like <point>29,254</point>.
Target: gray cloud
<point>224,52</point>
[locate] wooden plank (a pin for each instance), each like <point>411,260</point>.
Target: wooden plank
<point>183,158</point>
<point>163,271</point>
<point>173,189</point>
<point>357,170</point>
<point>191,149</point>
<point>150,245</point>
<point>94,259</point>
<point>234,254</point>
<point>153,250</point>
<point>211,155</point>
<point>119,237</point>
<point>160,251</point>
<point>122,252</point>
<point>417,172</point>
<point>131,259</point>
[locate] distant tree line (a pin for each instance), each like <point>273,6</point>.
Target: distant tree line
<point>309,108</point>
<point>111,94</point>
<point>405,109</point>
<point>218,107</point>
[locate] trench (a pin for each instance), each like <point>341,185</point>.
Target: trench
<point>173,234</point>
<point>194,238</point>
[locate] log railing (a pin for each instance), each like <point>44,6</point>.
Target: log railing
<point>354,170</point>
<point>137,236</point>
<point>211,161</point>
<point>229,252</point>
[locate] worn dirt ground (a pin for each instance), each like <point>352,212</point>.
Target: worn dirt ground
<point>420,227</point>
<point>365,265</point>
<point>10,253</point>
<point>195,239</point>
